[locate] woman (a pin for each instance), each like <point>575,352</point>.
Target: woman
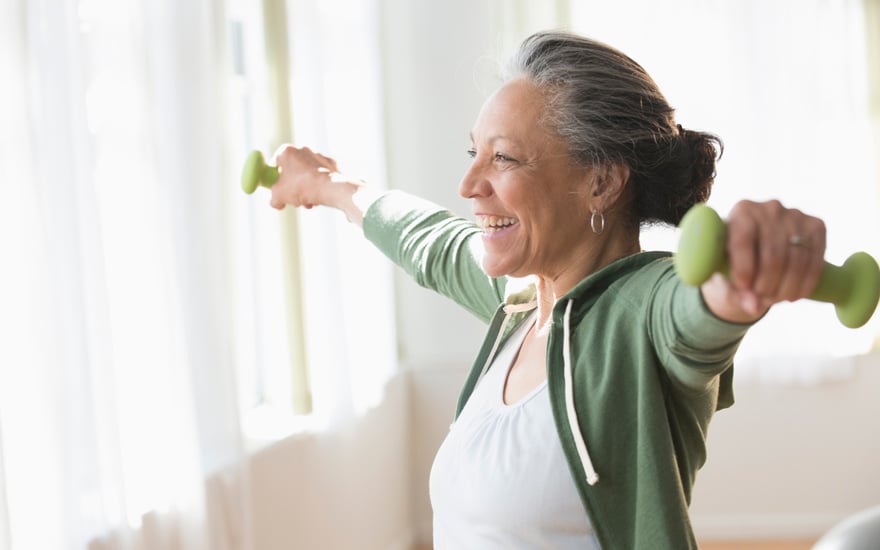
<point>583,421</point>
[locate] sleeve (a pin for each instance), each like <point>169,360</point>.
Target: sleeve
<point>438,250</point>
<point>693,345</point>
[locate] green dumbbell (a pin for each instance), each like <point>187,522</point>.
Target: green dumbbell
<point>256,172</point>
<point>853,288</point>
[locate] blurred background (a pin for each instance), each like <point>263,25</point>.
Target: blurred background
<point>182,367</point>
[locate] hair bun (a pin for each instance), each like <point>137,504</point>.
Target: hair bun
<point>680,176</point>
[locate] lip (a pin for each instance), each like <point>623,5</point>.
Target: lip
<point>490,232</point>
<point>478,215</point>
<point>499,233</point>
<point>488,214</point>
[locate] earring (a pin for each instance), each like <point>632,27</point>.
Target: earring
<point>597,219</point>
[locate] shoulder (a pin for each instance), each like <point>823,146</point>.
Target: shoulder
<point>623,290</point>
<point>645,275</point>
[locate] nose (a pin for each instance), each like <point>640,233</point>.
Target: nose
<point>474,183</point>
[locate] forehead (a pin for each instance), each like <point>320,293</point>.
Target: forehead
<point>515,110</point>
<point>521,93</point>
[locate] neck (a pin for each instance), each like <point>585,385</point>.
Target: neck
<point>598,254</point>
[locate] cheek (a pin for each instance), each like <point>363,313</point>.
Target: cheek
<point>560,225</point>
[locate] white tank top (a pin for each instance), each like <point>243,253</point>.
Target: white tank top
<point>500,479</point>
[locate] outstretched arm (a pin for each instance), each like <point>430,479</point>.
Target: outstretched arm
<point>432,245</point>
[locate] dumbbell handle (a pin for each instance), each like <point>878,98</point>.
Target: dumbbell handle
<point>256,172</point>
<point>853,288</point>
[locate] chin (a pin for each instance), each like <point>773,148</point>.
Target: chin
<point>494,270</point>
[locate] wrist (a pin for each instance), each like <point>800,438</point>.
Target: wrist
<point>348,195</point>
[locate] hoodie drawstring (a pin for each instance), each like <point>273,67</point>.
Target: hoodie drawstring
<point>571,413</point>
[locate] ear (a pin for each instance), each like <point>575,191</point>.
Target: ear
<point>609,182</point>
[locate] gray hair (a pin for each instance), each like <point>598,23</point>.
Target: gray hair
<point>608,109</point>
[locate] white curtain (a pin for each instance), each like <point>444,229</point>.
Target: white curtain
<point>142,343</point>
<point>118,408</point>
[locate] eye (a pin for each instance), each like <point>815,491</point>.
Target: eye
<point>501,157</point>
<point>472,152</point>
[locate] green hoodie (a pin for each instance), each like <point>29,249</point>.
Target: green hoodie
<point>636,367</point>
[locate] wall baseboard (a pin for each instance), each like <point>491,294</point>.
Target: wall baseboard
<point>407,541</point>
<point>728,527</point>
<point>765,526</point>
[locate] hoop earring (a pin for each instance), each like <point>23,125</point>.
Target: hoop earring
<point>601,222</point>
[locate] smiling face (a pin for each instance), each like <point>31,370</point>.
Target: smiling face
<point>529,196</point>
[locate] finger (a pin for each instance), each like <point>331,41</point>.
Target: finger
<point>742,235</point>
<point>328,162</point>
<point>804,241</point>
<point>773,249</point>
<point>275,200</point>
<point>749,302</point>
<point>283,153</point>
<point>811,250</point>
<point>793,280</point>
<point>798,250</point>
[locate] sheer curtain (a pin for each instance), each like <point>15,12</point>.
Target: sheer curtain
<point>142,343</point>
<point>322,91</point>
<point>336,93</point>
<point>117,384</point>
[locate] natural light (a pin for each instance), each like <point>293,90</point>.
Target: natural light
<point>161,327</point>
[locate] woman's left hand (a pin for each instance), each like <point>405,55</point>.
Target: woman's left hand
<point>775,254</point>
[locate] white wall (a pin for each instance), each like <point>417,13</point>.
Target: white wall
<point>792,460</point>
<point>430,52</point>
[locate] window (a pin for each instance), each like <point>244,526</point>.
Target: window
<point>308,267</point>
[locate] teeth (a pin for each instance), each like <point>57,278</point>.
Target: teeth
<point>494,223</point>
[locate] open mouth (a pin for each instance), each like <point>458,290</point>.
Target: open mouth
<point>491,224</point>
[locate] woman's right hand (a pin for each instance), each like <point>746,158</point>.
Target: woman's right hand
<point>304,178</point>
<point>308,179</point>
